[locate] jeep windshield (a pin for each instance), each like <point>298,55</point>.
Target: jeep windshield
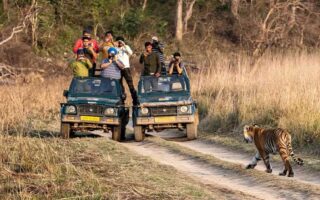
<point>168,84</point>
<point>94,87</point>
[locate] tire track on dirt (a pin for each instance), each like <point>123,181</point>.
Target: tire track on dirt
<point>212,175</point>
<point>215,176</point>
<point>223,153</point>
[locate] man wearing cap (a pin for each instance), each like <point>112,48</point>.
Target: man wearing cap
<point>81,65</point>
<point>158,48</point>
<point>91,44</point>
<point>106,44</point>
<point>111,66</point>
<point>124,53</point>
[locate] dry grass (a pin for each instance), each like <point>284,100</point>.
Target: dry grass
<point>36,165</point>
<point>280,91</point>
<point>33,168</point>
<point>30,108</point>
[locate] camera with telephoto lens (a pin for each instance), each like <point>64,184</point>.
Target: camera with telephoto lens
<point>156,45</point>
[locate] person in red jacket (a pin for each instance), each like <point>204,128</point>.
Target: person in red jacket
<point>79,44</point>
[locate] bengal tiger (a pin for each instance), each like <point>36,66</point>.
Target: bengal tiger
<point>271,141</point>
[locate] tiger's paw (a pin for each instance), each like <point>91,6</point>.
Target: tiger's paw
<point>282,173</point>
<point>250,166</point>
<point>291,174</point>
<point>268,170</point>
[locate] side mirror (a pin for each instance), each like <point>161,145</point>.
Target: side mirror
<point>65,93</point>
<point>195,104</point>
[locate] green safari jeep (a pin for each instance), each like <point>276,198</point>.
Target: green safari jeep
<point>94,103</point>
<point>165,103</point>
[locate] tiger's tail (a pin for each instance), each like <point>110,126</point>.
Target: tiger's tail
<point>297,160</point>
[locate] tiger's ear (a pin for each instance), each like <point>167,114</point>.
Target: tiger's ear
<point>248,128</point>
<point>255,125</point>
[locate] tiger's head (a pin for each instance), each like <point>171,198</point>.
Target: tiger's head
<point>248,132</point>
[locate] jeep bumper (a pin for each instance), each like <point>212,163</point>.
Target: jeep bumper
<point>182,119</point>
<point>90,120</point>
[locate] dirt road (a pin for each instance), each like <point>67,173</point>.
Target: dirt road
<point>217,176</point>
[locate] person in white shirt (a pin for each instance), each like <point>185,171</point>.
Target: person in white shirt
<point>124,53</point>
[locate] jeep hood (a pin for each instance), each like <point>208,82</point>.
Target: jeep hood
<point>93,100</point>
<point>165,100</point>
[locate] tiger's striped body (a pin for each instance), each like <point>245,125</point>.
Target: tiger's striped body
<point>271,141</point>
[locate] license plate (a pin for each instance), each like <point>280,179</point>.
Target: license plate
<point>90,118</point>
<point>164,119</point>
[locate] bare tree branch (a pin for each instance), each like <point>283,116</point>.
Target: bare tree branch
<point>188,14</point>
<point>179,24</point>
<point>22,26</point>
<point>144,5</point>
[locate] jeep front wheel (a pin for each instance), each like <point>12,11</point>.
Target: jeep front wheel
<point>116,133</point>
<point>192,131</point>
<point>138,133</point>
<point>65,131</point>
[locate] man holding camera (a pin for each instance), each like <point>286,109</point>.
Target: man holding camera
<point>124,53</point>
<point>151,61</point>
<point>90,47</point>
<point>111,66</point>
<point>158,48</point>
<point>152,67</point>
<point>106,44</point>
<point>176,66</point>
<point>79,43</point>
<point>81,65</point>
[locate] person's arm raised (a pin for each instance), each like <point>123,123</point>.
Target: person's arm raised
<point>106,64</point>
<point>128,50</point>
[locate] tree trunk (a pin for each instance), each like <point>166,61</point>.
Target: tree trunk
<point>34,24</point>
<point>188,14</point>
<point>235,8</point>
<point>5,5</point>
<point>144,5</point>
<point>179,23</point>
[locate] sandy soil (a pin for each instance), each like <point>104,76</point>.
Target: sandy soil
<point>216,176</point>
<point>223,153</point>
<point>212,175</point>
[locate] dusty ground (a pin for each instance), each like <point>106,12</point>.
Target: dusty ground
<point>305,184</point>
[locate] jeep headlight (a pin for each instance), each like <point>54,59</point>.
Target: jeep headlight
<point>110,111</point>
<point>184,109</point>
<point>70,110</point>
<point>144,111</point>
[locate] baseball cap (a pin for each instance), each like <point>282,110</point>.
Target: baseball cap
<point>112,50</point>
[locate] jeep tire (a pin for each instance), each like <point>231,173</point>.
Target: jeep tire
<point>116,133</point>
<point>138,133</point>
<point>192,130</point>
<point>66,131</point>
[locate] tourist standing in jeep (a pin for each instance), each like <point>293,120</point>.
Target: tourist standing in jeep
<point>81,65</point>
<point>158,48</point>
<point>176,66</point>
<point>106,44</point>
<point>111,66</point>
<point>152,66</point>
<point>150,61</point>
<point>124,52</point>
<point>90,46</point>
